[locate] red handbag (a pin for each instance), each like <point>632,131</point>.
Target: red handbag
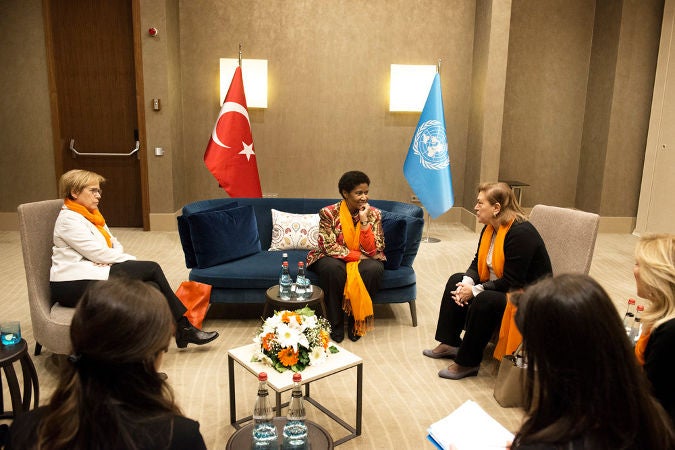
<point>196,297</point>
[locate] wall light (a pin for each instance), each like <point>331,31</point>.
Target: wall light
<point>254,72</point>
<point>410,86</point>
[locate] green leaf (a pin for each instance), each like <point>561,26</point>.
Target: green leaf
<point>333,349</point>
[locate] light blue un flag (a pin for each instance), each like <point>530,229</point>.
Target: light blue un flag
<point>427,166</point>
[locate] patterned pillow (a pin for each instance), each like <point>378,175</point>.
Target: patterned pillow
<point>294,231</point>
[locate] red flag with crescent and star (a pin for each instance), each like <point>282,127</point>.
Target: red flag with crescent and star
<point>230,155</point>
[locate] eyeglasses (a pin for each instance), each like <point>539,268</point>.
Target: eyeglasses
<point>96,191</point>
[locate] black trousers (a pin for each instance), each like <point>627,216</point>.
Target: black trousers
<point>332,278</point>
<point>479,320</point>
<point>68,293</point>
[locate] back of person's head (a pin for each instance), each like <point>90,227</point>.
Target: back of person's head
<point>655,257</point>
<point>588,384</point>
<point>110,385</point>
<point>76,180</point>
<point>503,194</point>
<point>349,180</point>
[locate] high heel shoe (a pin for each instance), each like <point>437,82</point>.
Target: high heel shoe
<point>186,334</point>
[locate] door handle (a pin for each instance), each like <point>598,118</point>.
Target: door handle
<point>76,153</point>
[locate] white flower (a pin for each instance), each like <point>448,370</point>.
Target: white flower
<point>309,322</point>
<point>317,356</point>
<point>289,336</point>
<point>259,356</point>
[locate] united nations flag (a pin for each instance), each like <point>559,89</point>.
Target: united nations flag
<point>427,166</point>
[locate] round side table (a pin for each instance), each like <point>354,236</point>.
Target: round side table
<point>9,354</point>
<point>319,438</point>
<point>273,302</point>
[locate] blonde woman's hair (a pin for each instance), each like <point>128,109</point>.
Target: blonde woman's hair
<point>503,194</point>
<point>655,256</point>
<point>76,180</point>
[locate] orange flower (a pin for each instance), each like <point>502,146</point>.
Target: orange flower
<point>323,334</point>
<point>288,356</point>
<point>266,341</point>
<point>288,316</point>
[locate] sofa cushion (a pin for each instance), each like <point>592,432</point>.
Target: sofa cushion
<point>395,228</point>
<point>186,239</point>
<point>294,231</point>
<point>223,235</point>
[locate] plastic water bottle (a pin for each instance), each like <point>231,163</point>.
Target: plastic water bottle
<point>295,431</point>
<point>629,317</point>
<point>636,329</point>
<point>264,432</point>
<point>285,282</point>
<point>301,282</point>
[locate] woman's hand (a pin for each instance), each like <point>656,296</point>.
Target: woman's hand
<point>463,294</point>
<point>363,213</point>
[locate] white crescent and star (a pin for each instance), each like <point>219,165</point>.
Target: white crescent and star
<point>247,149</point>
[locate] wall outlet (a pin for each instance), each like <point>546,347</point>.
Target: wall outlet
<point>414,199</point>
<point>270,195</point>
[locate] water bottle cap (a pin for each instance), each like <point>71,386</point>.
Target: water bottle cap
<point>285,264</point>
<point>284,255</point>
<point>297,377</point>
<point>640,308</point>
<point>631,301</point>
<point>301,264</point>
<point>262,376</point>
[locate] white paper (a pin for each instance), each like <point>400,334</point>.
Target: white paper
<point>470,427</point>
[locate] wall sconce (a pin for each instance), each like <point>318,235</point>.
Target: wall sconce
<point>254,72</point>
<point>410,86</point>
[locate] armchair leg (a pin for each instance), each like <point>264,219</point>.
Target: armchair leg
<point>413,312</point>
<point>38,348</point>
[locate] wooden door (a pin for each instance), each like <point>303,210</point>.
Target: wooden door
<point>93,83</point>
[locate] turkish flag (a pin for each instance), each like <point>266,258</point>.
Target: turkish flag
<point>230,154</point>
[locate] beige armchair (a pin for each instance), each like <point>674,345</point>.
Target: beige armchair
<point>51,323</point>
<point>569,236</point>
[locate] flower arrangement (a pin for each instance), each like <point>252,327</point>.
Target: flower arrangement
<point>293,340</point>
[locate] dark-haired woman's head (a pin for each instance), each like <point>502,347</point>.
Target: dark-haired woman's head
<point>349,180</point>
<point>587,378</point>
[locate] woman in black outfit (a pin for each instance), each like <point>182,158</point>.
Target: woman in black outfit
<point>511,255</point>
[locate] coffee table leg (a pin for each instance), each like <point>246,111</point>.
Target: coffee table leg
<point>359,397</point>
<point>233,406</point>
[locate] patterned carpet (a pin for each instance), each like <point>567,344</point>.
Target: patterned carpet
<point>402,395</point>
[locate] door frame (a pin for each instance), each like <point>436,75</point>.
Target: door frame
<point>59,144</point>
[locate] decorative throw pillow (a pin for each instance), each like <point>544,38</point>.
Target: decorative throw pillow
<point>394,227</point>
<point>186,239</point>
<point>222,236</point>
<point>294,231</point>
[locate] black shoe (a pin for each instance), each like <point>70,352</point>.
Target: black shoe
<point>186,334</point>
<point>337,337</point>
<point>351,331</point>
<point>162,376</point>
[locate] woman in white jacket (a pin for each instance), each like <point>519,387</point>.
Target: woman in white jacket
<point>85,250</point>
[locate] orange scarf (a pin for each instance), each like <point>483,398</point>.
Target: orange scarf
<point>356,297</point>
<point>641,346</point>
<point>509,336</point>
<point>94,217</point>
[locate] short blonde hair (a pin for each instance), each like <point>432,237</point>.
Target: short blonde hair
<point>76,180</point>
<point>655,255</point>
<point>503,194</point>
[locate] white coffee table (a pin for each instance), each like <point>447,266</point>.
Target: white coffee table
<point>281,382</point>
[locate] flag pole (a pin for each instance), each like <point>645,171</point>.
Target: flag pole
<point>428,239</point>
<point>240,54</point>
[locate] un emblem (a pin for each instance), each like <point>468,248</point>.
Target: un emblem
<point>431,145</point>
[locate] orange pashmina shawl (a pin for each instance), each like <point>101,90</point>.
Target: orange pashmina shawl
<point>96,218</point>
<point>356,298</point>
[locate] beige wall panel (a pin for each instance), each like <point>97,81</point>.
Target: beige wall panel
<point>549,52</point>
<point>26,155</point>
<point>329,68</point>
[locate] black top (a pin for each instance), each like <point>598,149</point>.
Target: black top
<point>525,259</point>
<point>183,433</point>
<point>660,365</point>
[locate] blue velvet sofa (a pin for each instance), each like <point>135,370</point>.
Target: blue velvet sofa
<point>226,244</point>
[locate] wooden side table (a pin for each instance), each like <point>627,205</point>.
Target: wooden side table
<point>9,354</point>
<point>319,438</point>
<point>274,302</point>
